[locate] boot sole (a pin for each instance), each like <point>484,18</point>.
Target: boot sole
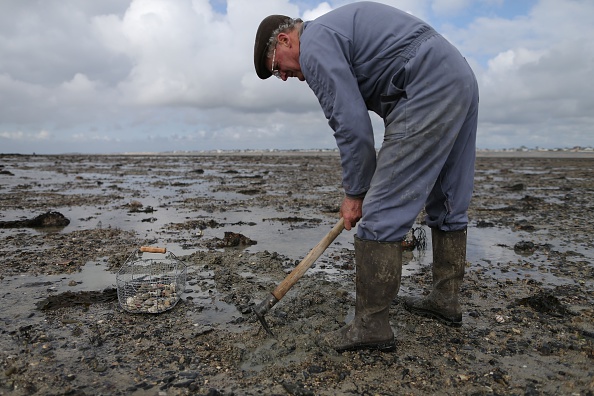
<point>382,347</point>
<point>433,315</point>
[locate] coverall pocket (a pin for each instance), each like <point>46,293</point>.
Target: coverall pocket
<point>395,92</point>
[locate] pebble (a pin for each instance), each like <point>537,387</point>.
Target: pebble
<point>183,383</point>
<point>188,374</point>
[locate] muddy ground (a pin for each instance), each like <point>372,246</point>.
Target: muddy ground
<point>527,297</point>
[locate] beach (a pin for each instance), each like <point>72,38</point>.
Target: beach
<point>239,223</point>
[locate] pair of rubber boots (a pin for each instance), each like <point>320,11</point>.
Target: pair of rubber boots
<point>379,269</point>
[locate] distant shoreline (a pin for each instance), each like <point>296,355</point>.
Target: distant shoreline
<point>534,154</point>
<point>307,153</point>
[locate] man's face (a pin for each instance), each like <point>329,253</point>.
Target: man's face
<point>284,62</point>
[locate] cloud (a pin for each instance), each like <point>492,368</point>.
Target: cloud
<point>167,75</point>
<point>26,137</point>
<point>321,9</point>
<point>535,80</point>
<point>449,7</point>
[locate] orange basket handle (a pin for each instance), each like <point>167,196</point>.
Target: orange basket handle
<point>152,249</point>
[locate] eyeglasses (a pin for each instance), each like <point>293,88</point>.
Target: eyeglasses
<point>275,72</point>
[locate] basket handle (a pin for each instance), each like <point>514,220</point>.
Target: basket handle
<point>152,249</point>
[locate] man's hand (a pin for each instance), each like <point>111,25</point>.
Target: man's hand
<point>351,211</point>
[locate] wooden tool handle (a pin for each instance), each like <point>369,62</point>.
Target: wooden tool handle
<point>152,249</point>
<point>307,262</point>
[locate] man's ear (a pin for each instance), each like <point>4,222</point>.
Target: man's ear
<point>283,39</point>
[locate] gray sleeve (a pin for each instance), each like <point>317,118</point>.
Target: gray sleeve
<point>325,63</point>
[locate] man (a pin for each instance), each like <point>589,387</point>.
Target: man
<point>368,56</point>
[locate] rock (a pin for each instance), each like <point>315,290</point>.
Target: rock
<point>233,239</point>
<point>525,247</point>
<point>48,219</point>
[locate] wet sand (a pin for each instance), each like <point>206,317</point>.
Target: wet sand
<point>527,297</point>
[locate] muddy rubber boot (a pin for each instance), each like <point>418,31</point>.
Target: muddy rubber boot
<point>449,260</point>
<point>379,267</point>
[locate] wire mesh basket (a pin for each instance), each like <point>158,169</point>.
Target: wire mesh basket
<point>150,285</point>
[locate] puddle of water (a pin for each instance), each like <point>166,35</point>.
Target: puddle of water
<point>489,250</point>
<point>23,292</point>
<point>531,171</point>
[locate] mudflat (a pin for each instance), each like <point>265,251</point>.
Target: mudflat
<point>240,223</point>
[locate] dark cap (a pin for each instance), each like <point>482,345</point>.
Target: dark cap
<point>267,26</point>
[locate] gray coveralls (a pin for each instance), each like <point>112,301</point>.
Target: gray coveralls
<point>368,56</point>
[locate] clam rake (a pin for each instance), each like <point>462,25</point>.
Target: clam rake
<point>279,292</point>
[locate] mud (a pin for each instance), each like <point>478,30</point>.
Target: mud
<point>241,223</point>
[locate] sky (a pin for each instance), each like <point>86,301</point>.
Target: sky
<point>120,76</point>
